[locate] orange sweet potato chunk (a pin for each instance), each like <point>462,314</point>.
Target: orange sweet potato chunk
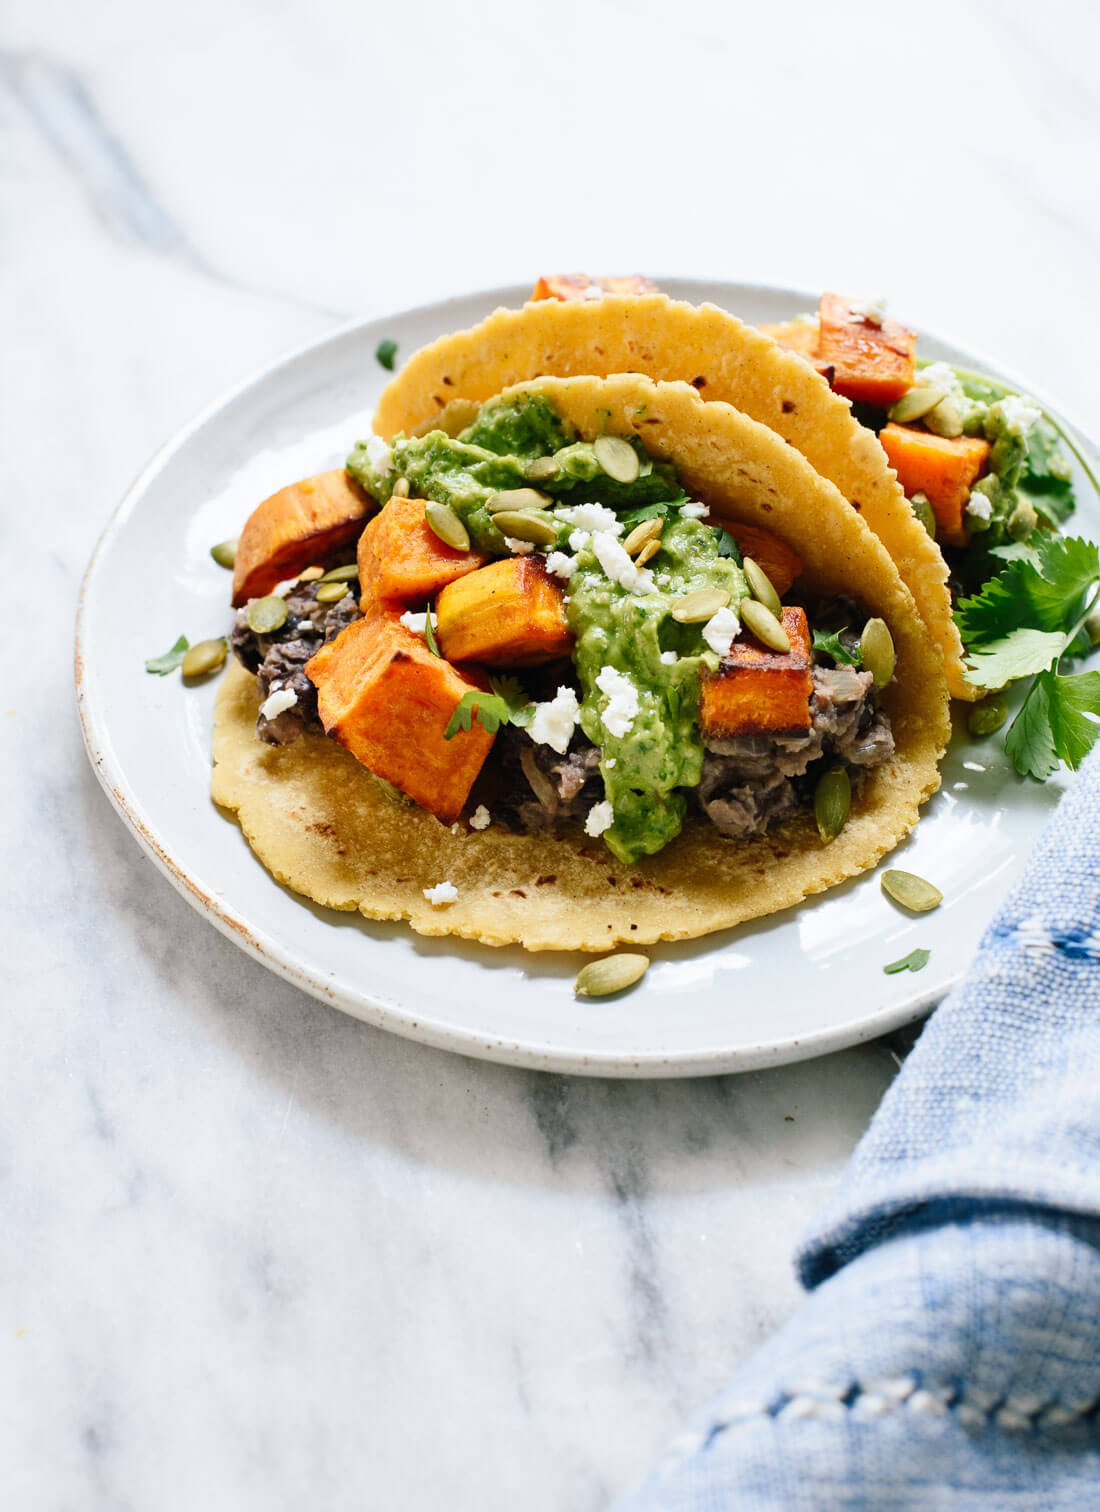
<point>780,561</point>
<point>387,699</point>
<point>756,691</point>
<point>576,285</point>
<point>874,363</point>
<point>400,557</point>
<point>295,528</point>
<point>509,614</point>
<point>944,468</point>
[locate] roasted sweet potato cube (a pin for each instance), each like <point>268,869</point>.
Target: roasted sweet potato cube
<point>944,468</point>
<point>295,528</point>
<point>577,285</point>
<point>874,363</point>
<point>401,557</point>
<point>509,614</point>
<point>386,698</point>
<point>780,561</point>
<point>760,692</point>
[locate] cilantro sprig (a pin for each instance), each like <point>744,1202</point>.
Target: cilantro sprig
<point>830,644</point>
<point>1021,624</point>
<point>506,704</point>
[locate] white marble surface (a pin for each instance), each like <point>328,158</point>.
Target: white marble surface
<point>256,1255</point>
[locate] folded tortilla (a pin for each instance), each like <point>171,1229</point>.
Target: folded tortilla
<point>325,827</point>
<point>724,359</point>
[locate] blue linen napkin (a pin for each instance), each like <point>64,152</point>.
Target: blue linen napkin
<point>949,1353</point>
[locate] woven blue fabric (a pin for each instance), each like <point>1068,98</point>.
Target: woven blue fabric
<point>949,1353</point>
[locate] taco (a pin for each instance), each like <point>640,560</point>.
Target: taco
<point>725,360</point>
<point>559,710</point>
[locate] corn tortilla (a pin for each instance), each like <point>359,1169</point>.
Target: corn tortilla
<point>323,826</point>
<point>726,360</point>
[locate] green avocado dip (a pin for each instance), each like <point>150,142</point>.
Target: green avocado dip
<point>638,667</point>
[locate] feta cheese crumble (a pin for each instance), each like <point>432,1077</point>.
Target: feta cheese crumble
<point>694,510</point>
<point>379,455</point>
<point>414,622</point>
<point>553,723</point>
<point>480,818</point>
<point>979,506</point>
<point>278,702</point>
<point>870,311</point>
<point>518,547</point>
<point>621,568</point>
<point>561,564</point>
<point>596,518</point>
<point>939,375</point>
<point>721,630</point>
<point>1019,414</point>
<point>669,658</point>
<point>441,894</point>
<point>601,816</point>
<point>622,701</point>
<point>281,590</point>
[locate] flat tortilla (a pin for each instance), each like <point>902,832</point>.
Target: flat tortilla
<point>725,360</point>
<point>322,825</point>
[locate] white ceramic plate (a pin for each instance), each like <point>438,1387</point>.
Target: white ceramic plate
<point>805,982</point>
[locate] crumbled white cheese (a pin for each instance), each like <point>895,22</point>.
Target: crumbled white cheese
<point>441,894</point>
<point>622,701</point>
<point>307,627</point>
<point>979,506</point>
<point>553,723</point>
<point>939,375</point>
<point>721,630</point>
<point>593,291</point>
<point>480,818</point>
<point>620,568</point>
<point>1019,414</point>
<point>609,763</point>
<point>694,510</point>
<point>579,539</point>
<point>601,816</point>
<point>414,622</point>
<point>379,455</point>
<point>561,564</point>
<point>281,590</point>
<point>871,311</point>
<point>669,658</point>
<point>595,518</point>
<point>518,547</point>
<point>278,702</point>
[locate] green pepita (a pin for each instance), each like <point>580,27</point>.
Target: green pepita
<point>516,499</point>
<point>609,974</point>
<point>696,608</point>
<point>522,525</point>
<point>648,552</point>
<point>1092,625</point>
<point>987,717</point>
<point>946,419</point>
<point>400,489</point>
<point>311,575</point>
<point>617,457</point>
<point>542,470</point>
<point>444,523</point>
<point>1022,521</point>
<point>342,574</point>
<point>266,615</point>
<point>911,891</point>
<point>877,646</point>
<point>916,403</point>
<point>225,553</point>
<point>832,802</point>
<point>764,625</point>
<point>924,513</point>
<point>331,593</point>
<point>206,657</point>
<point>641,535</point>
<point>761,586</point>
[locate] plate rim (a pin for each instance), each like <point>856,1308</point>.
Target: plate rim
<point>372,1008</point>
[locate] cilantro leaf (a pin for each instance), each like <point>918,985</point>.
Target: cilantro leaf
<point>429,634</point>
<point>830,643</point>
<point>916,960</point>
<point>1021,653</point>
<point>1060,720</point>
<point>1046,594</point>
<point>511,691</point>
<point>170,660</point>
<point>385,353</point>
<point>506,704</point>
<point>727,545</point>
<point>634,517</point>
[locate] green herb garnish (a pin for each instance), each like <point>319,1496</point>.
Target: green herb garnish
<point>727,546</point>
<point>830,644</point>
<point>170,660</point>
<point>386,352</point>
<point>429,634</point>
<point>916,960</point>
<point>506,704</point>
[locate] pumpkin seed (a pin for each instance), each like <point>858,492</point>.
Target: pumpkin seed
<point>331,593</point>
<point>696,608</point>
<point>609,974</point>
<point>764,625</point>
<point>444,523</point>
<point>761,586</point>
<point>400,489</point>
<point>1092,626</point>
<point>924,513</point>
<point>514,499</point>
<point>539,529</point>
<point>987,717</point>
<point>911,891</point>
<point>877,646</point>
<point>266,615</point>
<point>225,553</point>
<point>832,802</point>
<point>542,469</point>
<point>1022,521</point>
<point>915,404</point>
<point>946,419</point>
<point>648,552</point>
<point>641,535</point>
<point>206,657</point>
<point>311,575</point>
<point>617,457</point>
<point>342,574</point>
